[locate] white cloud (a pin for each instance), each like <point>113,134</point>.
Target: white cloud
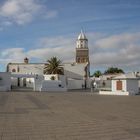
<point>117,41</point>
<point>23,11</point>
<point>12,55</point>
<point>60,46</point>
<point>117,50</point>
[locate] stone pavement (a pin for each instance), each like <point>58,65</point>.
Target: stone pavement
<point>68,116</point>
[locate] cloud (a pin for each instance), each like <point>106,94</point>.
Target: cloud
<point>115,50</point>
<point>58,41</point>
<point>59,46</point>
<point>117,41</point>
<point>12,55</point>
<point>23,11</point>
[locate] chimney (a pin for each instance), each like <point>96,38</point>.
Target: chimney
<point>26,60</point>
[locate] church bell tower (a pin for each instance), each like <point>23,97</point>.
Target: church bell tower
<point>82,51</point>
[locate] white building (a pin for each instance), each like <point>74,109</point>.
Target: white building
<point>5,81</point>
<point>76,73</point>
<point>125,84</point>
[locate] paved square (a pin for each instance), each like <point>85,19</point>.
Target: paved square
<point>68,116</point>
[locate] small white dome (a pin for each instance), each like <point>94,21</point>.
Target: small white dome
<point>82,36</point>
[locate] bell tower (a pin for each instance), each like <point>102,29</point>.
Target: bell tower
<point>82,51</point>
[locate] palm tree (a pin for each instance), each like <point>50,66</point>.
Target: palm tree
<point>53,66</point>
<point>97,73</point>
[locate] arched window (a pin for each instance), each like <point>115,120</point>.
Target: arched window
<point>13,70</point>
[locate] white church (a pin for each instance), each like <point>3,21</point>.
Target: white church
<point>31,75</point>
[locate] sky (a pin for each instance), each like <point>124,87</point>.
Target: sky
<point>40,29</point>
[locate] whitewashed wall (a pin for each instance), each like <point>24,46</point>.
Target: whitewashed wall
<point>48,76</point>
<point>14,81</point>
<point>52,85</point>
<point>75,84</point>
<point>38,83</point>
<point>5,81</point>
<point>27,68</point>
<point>128,86</point>
<point>30,82</point>
<point>132,86</point>
<point>62,78</point>
<point>75,71</point>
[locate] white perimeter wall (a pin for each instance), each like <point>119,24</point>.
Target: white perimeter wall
<point>132,86</point>
<point>14,81</point>
<point>52,85</point>
<point>75,84</point>
<point>5,82</point>
<point>113,93</point>
<point>62,78</point>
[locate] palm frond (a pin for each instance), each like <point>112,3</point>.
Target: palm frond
<point>53,66</point>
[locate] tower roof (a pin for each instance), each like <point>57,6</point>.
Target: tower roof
<point>82,36</point>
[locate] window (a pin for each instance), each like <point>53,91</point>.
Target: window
<point>13,70</point>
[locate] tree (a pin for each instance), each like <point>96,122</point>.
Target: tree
<point>53,66</point>
<point>97,73</point>
<point>113,70</point>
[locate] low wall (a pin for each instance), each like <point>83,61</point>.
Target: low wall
<point>75,84</point>
<point>113,93</point>
<point>52,85</point>
<point>5,81</point>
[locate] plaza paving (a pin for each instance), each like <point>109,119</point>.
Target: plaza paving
<point>68,116</point>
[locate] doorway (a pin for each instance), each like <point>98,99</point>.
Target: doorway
<point>24,82</point>
<point>119,85</point>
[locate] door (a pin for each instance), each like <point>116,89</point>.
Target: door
<point>24,82</point>
<point>119,85</point>
<point>18,82</point>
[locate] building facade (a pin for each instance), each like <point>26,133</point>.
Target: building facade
<point>75,72</point>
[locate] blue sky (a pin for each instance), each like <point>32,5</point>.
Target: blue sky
<point>40,29</point>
